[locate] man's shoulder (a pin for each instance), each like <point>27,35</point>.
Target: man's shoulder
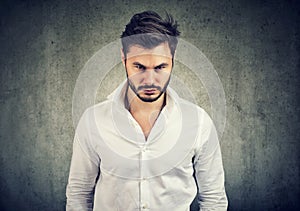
<point>183,102</point>
<point>98,110</point>
<point>190,105</point>
<point>106,104</point>
<point>199,113</point>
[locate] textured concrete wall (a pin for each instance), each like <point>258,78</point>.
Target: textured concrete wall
<point>253,45</point>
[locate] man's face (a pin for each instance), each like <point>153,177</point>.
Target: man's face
<point>148,71</point>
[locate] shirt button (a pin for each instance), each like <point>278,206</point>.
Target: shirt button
<point>144,206</point>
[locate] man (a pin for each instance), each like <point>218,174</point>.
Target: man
<point>145,148</point>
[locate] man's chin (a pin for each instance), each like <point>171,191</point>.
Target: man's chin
<point>149,98</point>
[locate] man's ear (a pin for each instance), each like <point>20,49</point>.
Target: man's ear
<point>122,56</point>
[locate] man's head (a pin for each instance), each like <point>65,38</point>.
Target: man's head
<point>149,43</point>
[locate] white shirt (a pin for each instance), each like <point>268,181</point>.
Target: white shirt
<point>114,168</point>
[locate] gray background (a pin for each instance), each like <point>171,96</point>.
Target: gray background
<point>253,45</point>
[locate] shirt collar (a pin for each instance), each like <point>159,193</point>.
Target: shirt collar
<point>123,119</point>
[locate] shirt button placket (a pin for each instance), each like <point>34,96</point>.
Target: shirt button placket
<point>144,184</point>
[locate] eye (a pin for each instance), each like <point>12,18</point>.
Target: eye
<point>159,68</point>
<point>140,67</point>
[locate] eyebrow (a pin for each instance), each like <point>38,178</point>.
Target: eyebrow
<point>158,66</point>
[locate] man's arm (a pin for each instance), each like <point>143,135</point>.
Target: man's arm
<point>84,171</point>
<point>209,171</point>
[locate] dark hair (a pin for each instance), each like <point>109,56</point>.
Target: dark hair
<point>148,30</point>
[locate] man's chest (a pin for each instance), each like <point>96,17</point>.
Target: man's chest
<point>123,151</point>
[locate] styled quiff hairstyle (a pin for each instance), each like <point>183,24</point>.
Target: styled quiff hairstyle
<point>149,30</point>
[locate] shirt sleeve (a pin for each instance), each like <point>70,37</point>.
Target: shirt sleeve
<point>84,170</point>
<point>209,171</point>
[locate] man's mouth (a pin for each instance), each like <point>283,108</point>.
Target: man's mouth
<point>149,91</point>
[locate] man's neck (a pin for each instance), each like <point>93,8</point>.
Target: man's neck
<point>145,113</point>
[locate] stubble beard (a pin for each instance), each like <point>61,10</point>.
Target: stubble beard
<point>146,99</point>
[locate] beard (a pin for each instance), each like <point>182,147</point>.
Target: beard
<point>136,90</point>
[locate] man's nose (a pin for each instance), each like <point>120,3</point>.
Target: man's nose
<point>149,76</point>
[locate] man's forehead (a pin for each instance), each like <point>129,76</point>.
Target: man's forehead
<point>162,50</point>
